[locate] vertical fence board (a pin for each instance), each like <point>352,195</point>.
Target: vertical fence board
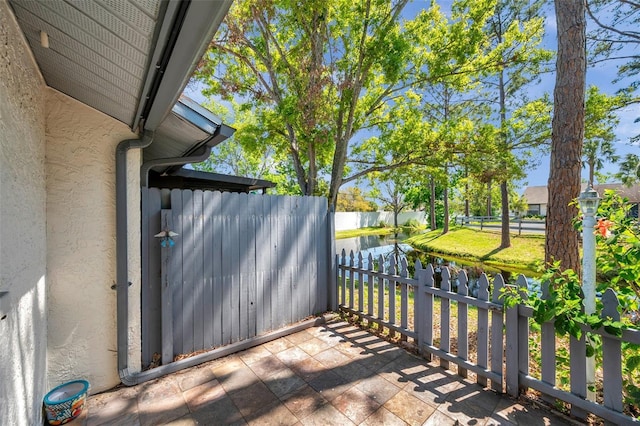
<point>548,349</point>
<point>497,324</point>
<point>254,204</point>
<point>578,367</point>
<point>166,296</point>
<point>511,352</point>
<point>611,356</point>
<point>370,279</point>
<point>294,265</point>
<point>427,322</point>
<point>326,297</point>
<point>187,272</point>
<point>445,316</point>
<point>418,310</point>
<point>404,298</point>
<point>276,309</point>
<point>361,283</point>
<point>176,269</point>
<point>483,328</point>
<point>392,294</point>
<point>228,235</point>
<point>263,304</point>
<point>281,273</point>
<point>215,257</point>
<point>463,318</point>
<point>418,306</point>
<point>198,271</point>
<point>151,311</point>
<point>207,249</point>
<point>343,279</point>
<point>351,280</point>
<point>381,287</point>
<point>306,257</point>
<point>244,260</point>
<point>523,332</point>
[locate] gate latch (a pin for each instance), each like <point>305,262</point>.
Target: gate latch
<point>166,238</point>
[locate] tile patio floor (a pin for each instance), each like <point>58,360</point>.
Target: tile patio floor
<point>334,374</point>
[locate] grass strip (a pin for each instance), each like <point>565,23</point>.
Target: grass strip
<point>525,253</point>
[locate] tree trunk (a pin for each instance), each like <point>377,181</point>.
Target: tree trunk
<point>489,206</point>
<point>567,134</point>
<point>445,201</point>
<point>466,191</point>
<point>505,240</point>
<point>505,237</point>
<point>432,204</point>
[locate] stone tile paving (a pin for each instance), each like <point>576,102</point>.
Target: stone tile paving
<point>335,374</point>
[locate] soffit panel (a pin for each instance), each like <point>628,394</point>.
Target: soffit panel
<point>99,51</point>
<point>78,54</point>
<point>97,101</point>
<point>173,138</point>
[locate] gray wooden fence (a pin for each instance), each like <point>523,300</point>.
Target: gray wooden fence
<point>240,266</point>
<point>383,294</point>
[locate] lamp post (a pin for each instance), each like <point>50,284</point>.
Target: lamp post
<point>589,201</point>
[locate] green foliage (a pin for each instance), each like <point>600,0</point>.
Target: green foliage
<point>353,200</point>
<point>600,121</point>
<point>412,223</point>
<point>618,254</point>
<point>519,204</point>
<point>618,268</point>
<point>629,172</point>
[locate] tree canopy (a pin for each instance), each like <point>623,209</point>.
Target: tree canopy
<point>315,74</point>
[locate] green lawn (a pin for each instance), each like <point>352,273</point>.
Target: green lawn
<point>465,243</point>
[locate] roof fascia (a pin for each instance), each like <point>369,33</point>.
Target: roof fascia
<point>200,23</point>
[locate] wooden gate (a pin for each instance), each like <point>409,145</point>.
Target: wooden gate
<point>240,266</point>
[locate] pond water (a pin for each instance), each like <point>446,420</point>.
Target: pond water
<point>386,245</point>
<point>368,243</point>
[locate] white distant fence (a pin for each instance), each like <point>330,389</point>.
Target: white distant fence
<point>356,220</point>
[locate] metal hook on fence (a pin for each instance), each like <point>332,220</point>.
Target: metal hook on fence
<point>166,238</point>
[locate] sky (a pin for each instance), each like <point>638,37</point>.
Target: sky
<point>600,75</point>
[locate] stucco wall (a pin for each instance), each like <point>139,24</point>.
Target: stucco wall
<point>81,258</point>
<point>22,229</point>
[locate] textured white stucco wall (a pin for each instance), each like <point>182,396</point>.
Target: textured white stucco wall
<point>23,332</point>
<point>81,257</point>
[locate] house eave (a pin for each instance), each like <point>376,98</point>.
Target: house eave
<point>199,24</point>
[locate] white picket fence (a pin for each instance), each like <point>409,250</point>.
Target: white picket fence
<point>382,293</point>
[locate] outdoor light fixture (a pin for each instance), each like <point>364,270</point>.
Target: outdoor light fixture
<point>589,201</point>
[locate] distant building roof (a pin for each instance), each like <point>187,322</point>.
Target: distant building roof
<point>540,195</point>
<point>536,195</point>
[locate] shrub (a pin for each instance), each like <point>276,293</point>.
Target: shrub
<point>412,223</point>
